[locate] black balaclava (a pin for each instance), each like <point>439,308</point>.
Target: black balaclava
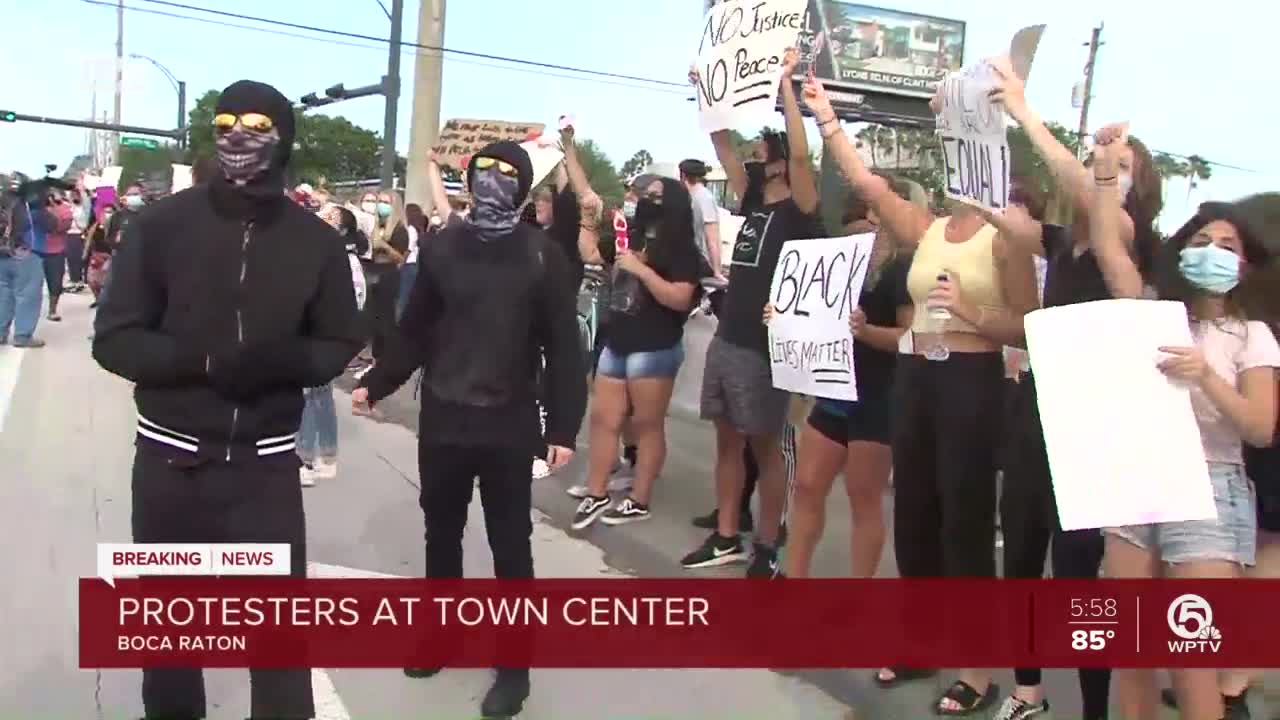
<point>496,198</point>
<point>254,163</point>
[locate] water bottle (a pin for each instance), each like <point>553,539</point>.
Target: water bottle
<point>936,327</point>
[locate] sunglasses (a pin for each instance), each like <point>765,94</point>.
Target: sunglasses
<point>504,167</point>
<point>256,122</point>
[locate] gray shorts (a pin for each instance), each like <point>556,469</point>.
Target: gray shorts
<point>1232,537</point>
<point>737,387</point>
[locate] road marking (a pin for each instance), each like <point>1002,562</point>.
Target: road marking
<point>329,705</point>
<point>10,364</point>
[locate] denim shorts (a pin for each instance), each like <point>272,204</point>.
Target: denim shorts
<point>631,366</point>
<point>1232,537</point>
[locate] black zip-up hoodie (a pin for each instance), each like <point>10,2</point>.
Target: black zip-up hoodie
<point>224,303</point>
<point>480,319</point>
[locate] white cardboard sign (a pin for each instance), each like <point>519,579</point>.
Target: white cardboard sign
<point>816,286</point>
<point>740,56</point>
<point>1123,443</point>
<point>975,149</point>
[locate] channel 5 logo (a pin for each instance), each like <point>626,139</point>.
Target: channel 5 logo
<point>1191,620</point>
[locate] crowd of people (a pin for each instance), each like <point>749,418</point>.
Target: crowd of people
<point>234,342</point>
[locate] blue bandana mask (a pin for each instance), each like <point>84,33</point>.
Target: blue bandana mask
<point>1210,268</point>
<point>493,206</point>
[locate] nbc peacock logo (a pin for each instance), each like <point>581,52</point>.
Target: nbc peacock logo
<point>1191,620</point>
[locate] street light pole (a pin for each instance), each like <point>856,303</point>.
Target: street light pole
<point>391,89</point>
<point>179,87</point>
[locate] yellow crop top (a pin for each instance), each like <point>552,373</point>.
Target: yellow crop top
<point>971,263</point>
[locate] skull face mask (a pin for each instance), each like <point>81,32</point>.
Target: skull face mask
<point>244,154</point>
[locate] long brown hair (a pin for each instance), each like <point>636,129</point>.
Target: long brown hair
<point>1249,299</point>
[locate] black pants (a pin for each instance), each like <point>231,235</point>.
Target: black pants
<point>945,441</point>
<point>380,306</point>
<point>1029,519</point>
<point>448,476</point>
<point>55,268</point>
<point>178,499</point>
<point>75,259</point>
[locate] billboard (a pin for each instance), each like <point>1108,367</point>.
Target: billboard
<point>879,50</point>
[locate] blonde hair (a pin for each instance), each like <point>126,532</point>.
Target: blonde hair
<point>380,238</point>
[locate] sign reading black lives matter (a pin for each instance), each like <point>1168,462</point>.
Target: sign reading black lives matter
<point>816,286</point>
<point>740,56</point>
<point>975,148</point>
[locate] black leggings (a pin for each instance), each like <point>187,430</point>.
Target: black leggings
<point>380,306</point>
<point>55,268</point>
<point>1029,519</point>
<point>946,436</point>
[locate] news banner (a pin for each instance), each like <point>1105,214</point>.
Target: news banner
<point>223,606</point>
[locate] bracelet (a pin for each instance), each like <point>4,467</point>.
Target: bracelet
<point>827,136</point>
<point>828,121</point>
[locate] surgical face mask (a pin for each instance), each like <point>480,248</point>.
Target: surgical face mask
<point>629,209</point>
<point>369,206</point>
<point>245,154</point>
<point>384,210</point>
<point>133,202</point>
<point>1125,181</point>
<point>436,221</point>
<point>1211,268</point>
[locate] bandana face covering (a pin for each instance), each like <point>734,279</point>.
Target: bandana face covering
<point>245,154</point>
<point>493,210</point>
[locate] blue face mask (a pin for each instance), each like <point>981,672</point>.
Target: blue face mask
<point>384,210</point>
<point>1211,268</point>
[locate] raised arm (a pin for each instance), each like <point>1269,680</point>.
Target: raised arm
<point>804,186</point>
<point>435,186</point>
<point>589,202</point>
<point>903,218</point>
<point>1110,234</point>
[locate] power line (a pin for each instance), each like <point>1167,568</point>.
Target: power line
<point>468,53</point>
<point>366,46</point>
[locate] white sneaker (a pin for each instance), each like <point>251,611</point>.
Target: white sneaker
<point>326,469</point>
<point>540,469</point>
<point>307,476</point>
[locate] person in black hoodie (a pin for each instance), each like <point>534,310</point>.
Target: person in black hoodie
<point>226,301</point>
<point>489,304</point>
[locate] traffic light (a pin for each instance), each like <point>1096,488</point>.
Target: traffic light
<point>8,116</point>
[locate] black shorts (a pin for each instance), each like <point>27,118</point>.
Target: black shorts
<point>866,420</point>
<point>1263,467</point>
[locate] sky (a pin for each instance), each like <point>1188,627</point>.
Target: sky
<point>1176,84</point>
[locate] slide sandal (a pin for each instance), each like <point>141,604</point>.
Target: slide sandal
<point>901,675</point>
<point>968,698</point>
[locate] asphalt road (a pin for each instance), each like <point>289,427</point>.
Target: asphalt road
<point>66,432</point>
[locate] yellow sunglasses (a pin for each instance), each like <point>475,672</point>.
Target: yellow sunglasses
<point>257,122</point>
<point>504,167</point>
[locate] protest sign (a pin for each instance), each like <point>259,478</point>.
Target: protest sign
<point>460,139</point>
<point>740,54</point>
<point>181,178</point>
<point>814,289</point>
<point>1123,444</point>
<point>545,155</point>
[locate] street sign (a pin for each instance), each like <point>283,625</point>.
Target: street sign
<point>138,142</point>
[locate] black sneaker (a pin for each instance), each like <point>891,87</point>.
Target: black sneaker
<point>506,698</point>
<point>711,521</point>
<point>764,563</point>
<point>1017,709</point>
<point>625,512</point>
<point>716,551</point>
<point>589,509</point>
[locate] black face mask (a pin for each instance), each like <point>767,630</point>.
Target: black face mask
<point>645,223</point>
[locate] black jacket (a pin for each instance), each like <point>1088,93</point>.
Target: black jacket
<point>221,308</point>
<point>479,321</point>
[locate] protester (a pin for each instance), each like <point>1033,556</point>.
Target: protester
<point>131,203</point>
<point>81,217</point>
<point>853,437</point>
<point>21,270</point>
<point>219,352</point>
<point>1230,370</point>
<point>706,217</point>
<point>415,224</point>
<point>54,253</point>
<point>479,352</point>
<point>388,247</point>
<point>98,251</point>
<point>948,394</point>
<point>737,391</point>
<point>653,289</point>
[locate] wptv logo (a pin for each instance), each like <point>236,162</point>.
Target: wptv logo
<point>1191,619</point>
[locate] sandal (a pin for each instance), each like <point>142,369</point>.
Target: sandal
<point>968,698</point>
<point>901,675</point>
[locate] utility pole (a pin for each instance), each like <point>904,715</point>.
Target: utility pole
<point>428,78</point>
<point>1094,44</point>
<point>391,89</point>
<point>182,114</point>
<point>115,139</point>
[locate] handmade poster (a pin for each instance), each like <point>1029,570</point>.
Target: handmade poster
<point>739,59</point>
<point>181,178</point>
<point>816,286</point>
<point>544,153</point>
<point>1124,447</point>
<point>460,138</point>
<point>975,149</point>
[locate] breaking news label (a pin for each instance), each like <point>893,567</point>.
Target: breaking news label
<point>134,560</point>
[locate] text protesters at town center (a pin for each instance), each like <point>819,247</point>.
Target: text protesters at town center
<point>226,301</point>
<point>488,305</point>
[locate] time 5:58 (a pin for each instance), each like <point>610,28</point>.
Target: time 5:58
<point>1093,608</point>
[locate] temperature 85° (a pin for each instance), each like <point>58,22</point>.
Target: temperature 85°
<point>1091,639</point>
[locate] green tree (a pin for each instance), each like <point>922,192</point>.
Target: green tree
<point>333,148</point>
<point>200,128</point>
<point>635,165</point>
<point>601,173</point>
<point>150,168</point>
